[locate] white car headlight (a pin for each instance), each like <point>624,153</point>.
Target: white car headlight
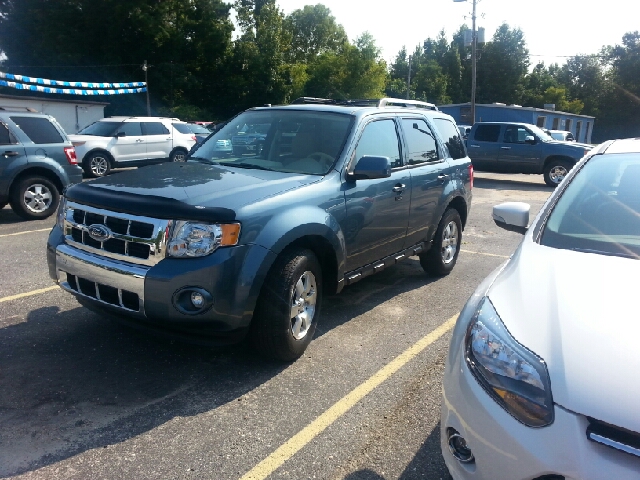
<point>515,377</point>
<point>192,239</point>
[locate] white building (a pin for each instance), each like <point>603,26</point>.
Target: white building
<point>72,114</point>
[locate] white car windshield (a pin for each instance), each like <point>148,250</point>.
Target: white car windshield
<point>599,212</point>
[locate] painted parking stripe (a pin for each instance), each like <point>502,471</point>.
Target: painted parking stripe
<point>484,253</point>
<point>28,294</point>
<point>267,466</point>
<point>28,231</point>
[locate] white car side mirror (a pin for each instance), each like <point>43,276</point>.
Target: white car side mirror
<point>512,216</point>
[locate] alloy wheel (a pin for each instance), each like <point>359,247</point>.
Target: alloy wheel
<point>303,307</point>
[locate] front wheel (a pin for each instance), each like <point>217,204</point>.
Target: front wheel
<point>555,171</point>
<point>34,198</point>
<point>440,259</point>
<point>287,310</point>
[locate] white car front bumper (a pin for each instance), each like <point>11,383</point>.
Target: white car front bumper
<point>506,449</point>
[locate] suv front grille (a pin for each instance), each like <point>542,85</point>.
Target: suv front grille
<point>137,239</point>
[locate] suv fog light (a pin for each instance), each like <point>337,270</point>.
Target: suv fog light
<point>197,299</point>
<point>192,300</point>
<point>458,447</point>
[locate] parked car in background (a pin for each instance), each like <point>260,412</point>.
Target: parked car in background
<point>522,148</point>
<point>540,380</point>
<point>561,135</point>
<point>227,246</point>
<point>200,131</point>
<point>37,162</point>
<point>130,141</point>
<point>464,131</point>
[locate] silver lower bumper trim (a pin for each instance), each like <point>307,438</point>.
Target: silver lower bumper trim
<point>123,276</point>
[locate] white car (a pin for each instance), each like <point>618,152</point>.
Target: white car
<point>541,380</point>
<point>561,135</point>
<point>130,141</point>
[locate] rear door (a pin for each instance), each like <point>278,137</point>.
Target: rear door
<point>158,140</point>
<point>377,209</point>
<point>128,145</point>
<point>428,167</point>
<point>484,147</point>
<point>12,155</point>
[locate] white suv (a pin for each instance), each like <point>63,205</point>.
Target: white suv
<point>130,141</point>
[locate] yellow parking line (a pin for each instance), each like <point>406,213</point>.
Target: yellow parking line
<point>28,231</point>
<point>28,294</point>
<point>267,466</point>
<point>484,253</point>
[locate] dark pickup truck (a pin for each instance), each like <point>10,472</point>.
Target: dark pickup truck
<point>229,245</point>
<point>522,148</point>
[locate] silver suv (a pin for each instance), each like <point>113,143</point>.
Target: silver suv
<point>130,141</point>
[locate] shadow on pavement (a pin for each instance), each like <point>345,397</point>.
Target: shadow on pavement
<point>511,184</point>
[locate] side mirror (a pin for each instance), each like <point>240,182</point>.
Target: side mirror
<point>120,134</point>
<point>370,167</point>
<point>530,139</point>
<point>512,216</point>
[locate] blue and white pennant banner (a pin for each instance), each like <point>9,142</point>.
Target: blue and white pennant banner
<point>86,88</point>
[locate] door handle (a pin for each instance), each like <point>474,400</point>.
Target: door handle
<point>474,146</point>
<point>399,188</point>
<point>10,153</point>
<point>505,148</point>
<point>139,140</point>
<point>442,178</point>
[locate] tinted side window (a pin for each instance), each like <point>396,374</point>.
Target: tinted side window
<point>487,133</point>
<point>154,128</point>
<point>130,129</point>
<point>380,139</point>
<point>39,130</point>
<point>182,127</point>
<point>5,137</point>
<point>451,136</point>
<point>421,144</point>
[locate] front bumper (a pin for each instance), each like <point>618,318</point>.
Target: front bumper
<point>148,294</point>
<point>506,449</point>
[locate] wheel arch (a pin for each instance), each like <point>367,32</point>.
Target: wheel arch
<point>112,160</point>
<point>460,205</point>
<point>37,171</point>
<point>555,158</point>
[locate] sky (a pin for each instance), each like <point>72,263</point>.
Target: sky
<point>553,30</point>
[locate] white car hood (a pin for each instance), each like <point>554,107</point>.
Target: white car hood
<point>578,312</point>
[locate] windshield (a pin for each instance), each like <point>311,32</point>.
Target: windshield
<point>599,212</point>
<point>101,129</point>
<point>280,140</point>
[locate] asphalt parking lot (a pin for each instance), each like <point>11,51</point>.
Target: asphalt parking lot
<point>82,397</point>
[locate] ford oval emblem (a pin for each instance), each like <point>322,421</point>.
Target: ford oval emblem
<point>99,233</point>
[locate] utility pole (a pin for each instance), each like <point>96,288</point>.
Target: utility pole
<point>409,79</point>
<point>474,43</point>
<point>145,67</point>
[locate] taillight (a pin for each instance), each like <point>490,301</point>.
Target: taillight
<point>471,175</point>
<point>193,137</point>
<point>70,152</point>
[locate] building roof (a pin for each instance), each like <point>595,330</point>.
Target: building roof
<point>514,107</point>
<point>53,100</point>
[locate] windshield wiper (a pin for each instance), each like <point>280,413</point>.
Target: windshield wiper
<point>246,165</point>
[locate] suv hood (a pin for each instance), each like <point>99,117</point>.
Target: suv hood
<point>185,190</point>
<point>581,146</point>
<point>578,311</point>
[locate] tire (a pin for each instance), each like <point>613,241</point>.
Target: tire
<point>34,198</point>
<point>179,155</point>
<point>555,171</point>
<point>294,284</point>
<point>98,164</point>
<point>440,259</point>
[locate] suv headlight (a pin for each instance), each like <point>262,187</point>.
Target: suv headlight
<point>192,239</point>
<point>515,377</point>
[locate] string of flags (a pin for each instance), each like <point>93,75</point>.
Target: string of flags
<point>44,85</point>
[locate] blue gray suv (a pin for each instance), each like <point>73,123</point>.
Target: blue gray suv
<point>229,245</point>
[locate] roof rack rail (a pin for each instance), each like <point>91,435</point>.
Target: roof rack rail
<point>18,109</point>
<point>363,102</point>
<point>399,102</point>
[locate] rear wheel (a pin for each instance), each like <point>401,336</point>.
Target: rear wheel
<point>97,164</point>
<point>555,171</point>
<point>34,198</point>
<point>178,155</point>
<point>286,314</point>
<point>440,259</point>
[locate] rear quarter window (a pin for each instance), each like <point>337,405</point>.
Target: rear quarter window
<point>39,130</point>
<point>182,127</point>
<point>450,134</point>
<point>487,133</point>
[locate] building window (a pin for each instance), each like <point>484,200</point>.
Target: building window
<point>567,125</point>
<point>556,124</point>
<point>587,133</point>
<point>465,115</point>
<point>578,128</point>
<point>541,122</point>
